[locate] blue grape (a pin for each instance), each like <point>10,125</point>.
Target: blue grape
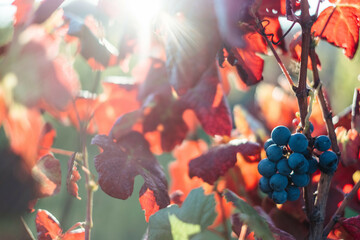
<point>278,182</point>
<point>313,165</point>
<point>283,167</point>
<point>274,153</point>
<point>293,193</point>
<point>279,197</point>
<point>328,161</point>
<point>298,162</point>
<point>298,142</point>
<point>280,135</point>
<point>268,143</point>
<point>322,143</point>
<point>264,185</point>
<point>300,180</point>
<point>267,168</point>
<point>304,168</point>
<point>311,127</point>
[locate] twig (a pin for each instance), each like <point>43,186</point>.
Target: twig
<point>341,209</point>
<point>61,151</point>
<point>242,235</point>
<point>318,214</point>
<point>27,229</point>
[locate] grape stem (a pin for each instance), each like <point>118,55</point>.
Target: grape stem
<point>340,210</point>
<point>318,215</point>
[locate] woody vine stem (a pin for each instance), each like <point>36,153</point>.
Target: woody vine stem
<point>315,207</point>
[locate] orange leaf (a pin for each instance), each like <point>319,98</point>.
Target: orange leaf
<point>148,203</point>
<point>339,25</point>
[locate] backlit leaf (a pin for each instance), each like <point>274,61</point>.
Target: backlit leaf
<point>121,161</point>
<point>73,176</point>
<point>250,216</point>
<point>339,25</point>
<point>209,103</point>
<point>196,213</point>
<point>218,160</point>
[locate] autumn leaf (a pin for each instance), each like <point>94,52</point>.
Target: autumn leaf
<point>24,10</point>
<point>339,25</point>
<point>194,216</point>
<point>191,44</point>
<point>44,11</point>
<point>47,137</point>
<point>349,145</point>
<point>48,228</point>
<point>47,173</point>
<point>295,50</point>
<point>209,103</point>
<point>218,160</point>
<point>352,226</point>
<point>121,161</point>
<point>73,176</point>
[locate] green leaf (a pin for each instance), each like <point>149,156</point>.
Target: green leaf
<point>250,216</point>
<point>181,230</point>
<point>195,215</point>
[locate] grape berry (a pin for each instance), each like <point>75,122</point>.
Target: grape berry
<point>290,163</point>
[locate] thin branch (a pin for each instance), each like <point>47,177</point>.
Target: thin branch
<point>318,215</point>
<point>340,210</point>
<point>27,229</point>
<point>317,8</point>
<point>244,229</point>
<point>61,151</point>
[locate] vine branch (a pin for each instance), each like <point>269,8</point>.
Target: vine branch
<point>340,210</point>
<point>318,215</point>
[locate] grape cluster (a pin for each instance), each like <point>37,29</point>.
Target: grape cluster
<point>290,162</point>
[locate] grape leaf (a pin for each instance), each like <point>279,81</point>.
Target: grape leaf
<point>47,173</point>
<point>99,50</point>
<point>72,177</point>
<point>44,11</point>
<point>209,103</point>
<point>196,212</point>
<point>218,160</point>
<point>48,228</point>
<point>250,216</point>
<point>166,118</point>
<point>349,145</point>
<point>295,49</point>
<point>24,10</point>
<point>121,161</point>
<point>191,43</point>
<point>47,137</point>
<point>351,226</point>
<point>248,64</point>
<point>229,13</point>
<point>276,8</point>
<point>341,23</point>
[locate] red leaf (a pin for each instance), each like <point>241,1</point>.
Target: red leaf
<point>44,11</point>
<point>47,173</point>
<point>73,176</point>
<point>349,144</point>
<point>275,8</point>
<point>47,226</point>
<point>295,49</point>
<point>248,64</point>
<point>24,9</point>
<point>191,43</point>
<point>351,226</point>
<point>148,203</point>
<point>209,104</point>
<point>166,118</point>
<point>46,140</point>
<point>92,47</point>
<point>229,13</point>
<point>218,160</point>
<point>342,29</point>
<point>121,161</point>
